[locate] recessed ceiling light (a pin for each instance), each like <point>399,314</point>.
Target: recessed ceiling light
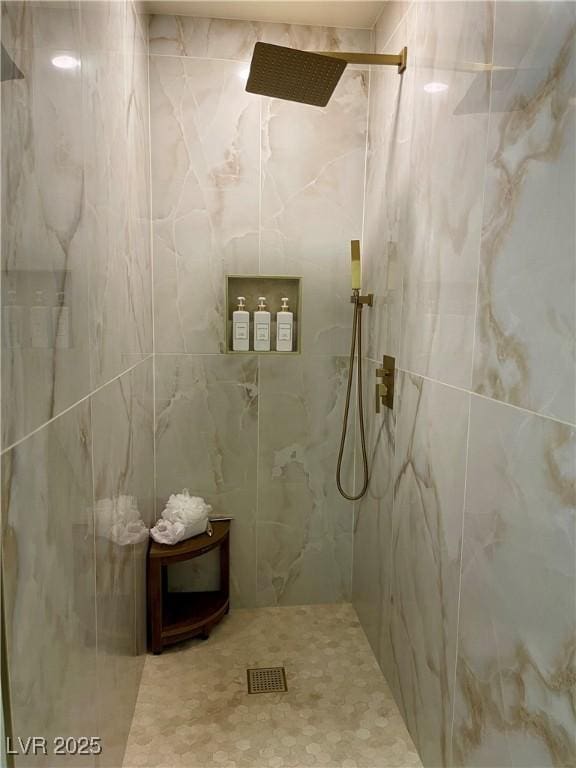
<point>66,62</point>
<point>435,87</point>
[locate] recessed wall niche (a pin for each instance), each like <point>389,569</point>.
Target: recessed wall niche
<point>274,288</point>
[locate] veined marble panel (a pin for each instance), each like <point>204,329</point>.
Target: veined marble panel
<point>115,93</point>
<point>231,39</point>
<point>373,526</point>
<point>48,582</point>
<point>525,341</point>
<point>515,678</point>
<point>441,227</point>
<point>304,545</point>
<point>388,22</point>
<point>111,24</point>
<point>388,189</point>
<point>104,25</point>
<point>430,466</point>
<point>29,26</point>
<point>138,183</point>
<point>205,172</point>
<point>312,196</point>
<point>206,441</point>
<point>44,284</point>
<point>123,434</point>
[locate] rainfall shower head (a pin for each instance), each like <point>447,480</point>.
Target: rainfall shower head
<point>288,73</point>
<point>307,77</point>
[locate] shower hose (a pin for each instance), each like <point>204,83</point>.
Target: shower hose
<point>356,332</point>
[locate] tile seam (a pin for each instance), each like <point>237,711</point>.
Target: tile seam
<point>66,410</point>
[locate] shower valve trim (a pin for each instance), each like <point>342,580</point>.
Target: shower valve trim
<point>358,298</point>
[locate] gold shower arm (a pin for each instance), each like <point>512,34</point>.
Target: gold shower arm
<point>387,59</point>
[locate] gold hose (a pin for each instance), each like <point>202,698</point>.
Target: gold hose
<point>356,331</point>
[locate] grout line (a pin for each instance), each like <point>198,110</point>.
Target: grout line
<point>97,712</point>
<point>18,442</point>
<point>139,16</point>
<point>264,21</point>
<point>456,649</point>
<point>366,144</point>
<point>257,521</point>
<point>260,186</point>
<point>5,697</point>
<point>352,67</point>
<point>320,355</point>
<point>258,361</point>
<point>483,203</point>
<point>360,361</point>
<point>410,87</point>
<point>485,397</point>
<point>152,287</point>
<point>471,381</point>
<point>199,58</point>
<point>396,28</point>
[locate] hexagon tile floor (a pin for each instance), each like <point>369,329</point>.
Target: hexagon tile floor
<point>193,708</point>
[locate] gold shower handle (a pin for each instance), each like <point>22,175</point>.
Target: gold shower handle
<point>385,387</point>
<point>381,395</point>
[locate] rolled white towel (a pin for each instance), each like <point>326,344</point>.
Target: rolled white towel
<point>187,500</point>
<point>165,532</point>
<point>190,511</point>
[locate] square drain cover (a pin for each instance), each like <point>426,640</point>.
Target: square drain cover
<point>267,680</point>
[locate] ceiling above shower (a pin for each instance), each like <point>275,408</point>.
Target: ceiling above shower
<point>360,14</point>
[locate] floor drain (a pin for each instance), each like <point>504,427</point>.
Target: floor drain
<point>267,680</point>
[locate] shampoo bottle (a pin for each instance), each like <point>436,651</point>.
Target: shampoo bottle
<point>241,327</point>
<point>284,328</point>
<point>261,327</point>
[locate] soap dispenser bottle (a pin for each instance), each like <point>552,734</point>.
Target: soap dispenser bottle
<point>284,328</point>
<point>262,327</point>
<point>241,327</point>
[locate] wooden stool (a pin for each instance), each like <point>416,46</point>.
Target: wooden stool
<point>176,616</point>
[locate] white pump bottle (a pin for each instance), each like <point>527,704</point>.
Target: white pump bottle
<point>261,327</point>
<point>241,327</point>
<point>284,328</point>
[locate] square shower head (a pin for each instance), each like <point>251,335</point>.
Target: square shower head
<point>288,73</point>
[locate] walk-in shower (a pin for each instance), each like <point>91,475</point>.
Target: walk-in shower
<point>310,78</point>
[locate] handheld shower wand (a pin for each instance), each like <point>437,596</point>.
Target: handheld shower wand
<point>358,300</point>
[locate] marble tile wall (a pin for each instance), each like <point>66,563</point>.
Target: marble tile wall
<point>464,546</point>
<point>77,383</point>
<point>246,184</point>
<point>75,230</point>
<point>49,570</point>
<point>122,445</point>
